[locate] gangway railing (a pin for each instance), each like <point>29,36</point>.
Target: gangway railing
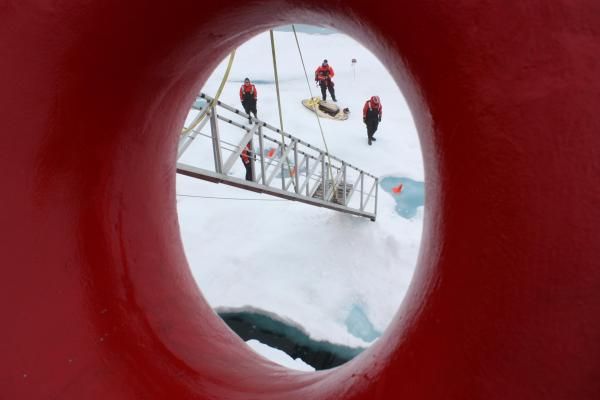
<point>282,165</point>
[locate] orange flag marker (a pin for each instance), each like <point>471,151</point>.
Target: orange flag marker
<point>397,189</point>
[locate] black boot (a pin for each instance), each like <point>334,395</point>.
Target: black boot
<point>369,141</point>
<point>373,139</point>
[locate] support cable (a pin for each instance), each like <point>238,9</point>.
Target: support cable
<point>334,188</point>
<point>279,107</point>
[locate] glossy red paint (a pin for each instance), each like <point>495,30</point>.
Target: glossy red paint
<point>97,301</point>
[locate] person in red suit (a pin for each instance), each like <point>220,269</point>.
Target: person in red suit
<point>323,76</point>
<point>248,97</point>
<point>372,116</point>
<point>247,158</point>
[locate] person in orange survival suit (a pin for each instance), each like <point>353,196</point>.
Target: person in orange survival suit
<point>323,76</point>
<point>248,97</point>
<point>372,116</point>
<point>246,155</point>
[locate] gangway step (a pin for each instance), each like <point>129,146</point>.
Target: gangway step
<point>339,194</point>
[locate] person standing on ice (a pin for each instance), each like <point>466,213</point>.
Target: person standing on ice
<point>372,116</point>
<point>248,97</point>
<point>246,155</point>
<point>323,76</point>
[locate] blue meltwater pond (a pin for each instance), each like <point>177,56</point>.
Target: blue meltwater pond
<point>411,197</point>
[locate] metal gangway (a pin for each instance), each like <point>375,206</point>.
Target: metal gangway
<point>282,165</point>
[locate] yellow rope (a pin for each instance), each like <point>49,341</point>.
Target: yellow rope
<point>313,102</point>
<point>200,117</point>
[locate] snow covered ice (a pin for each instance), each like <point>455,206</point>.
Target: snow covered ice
<point>279,356</point>
<point>316,267</point>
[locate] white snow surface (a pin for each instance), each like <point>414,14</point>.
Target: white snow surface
<point>304,263</point>
<point>278,356</point>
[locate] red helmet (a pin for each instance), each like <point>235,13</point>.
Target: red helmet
<point>375,99</point>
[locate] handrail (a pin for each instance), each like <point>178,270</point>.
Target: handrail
<point>275,129</point>
<point>242,126</point>
<point>268,159</point>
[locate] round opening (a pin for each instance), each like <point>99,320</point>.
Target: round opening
<point>102,303</point>
<point>319,284</point>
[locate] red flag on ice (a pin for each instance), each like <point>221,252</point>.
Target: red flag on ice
<point>397,189</point>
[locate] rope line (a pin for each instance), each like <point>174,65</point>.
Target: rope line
<point>279,106</point>
<point>316,114</point>
<point>200,117</point>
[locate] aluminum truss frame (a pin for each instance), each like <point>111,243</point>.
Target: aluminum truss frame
<point>302,167</point>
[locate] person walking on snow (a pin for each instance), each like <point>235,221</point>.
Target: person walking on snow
<point>245,155</point>
<point>372,116</point>
<point>248,96</point>
<point>323,76</point>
